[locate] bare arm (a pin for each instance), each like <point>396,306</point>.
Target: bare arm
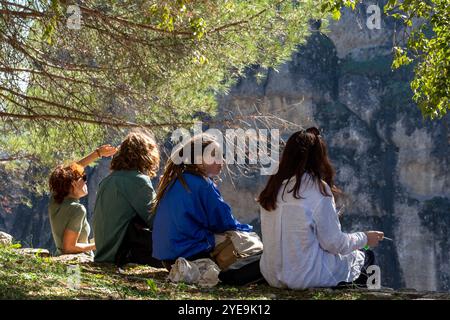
<point>70,244</point>
<point>103,151</point>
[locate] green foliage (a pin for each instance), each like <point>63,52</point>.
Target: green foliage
<point>152,286</point>
<point>400,58</point>
<point>50,25</point>
<point>430,49</point>
<point>428,45</point>
<point>335,6</point>
<point>151,63</point>
<point>24,275</point>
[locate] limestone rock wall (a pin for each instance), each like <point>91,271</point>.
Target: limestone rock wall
<point>391,163</point>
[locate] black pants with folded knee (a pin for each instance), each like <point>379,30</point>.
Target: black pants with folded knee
<point>250,273</point>
<point>361,281</point>
<point>136,246</point>
<point>247,274</point>
<point>369,260</point>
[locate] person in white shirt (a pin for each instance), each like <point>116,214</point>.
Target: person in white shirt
<point>304,246</point>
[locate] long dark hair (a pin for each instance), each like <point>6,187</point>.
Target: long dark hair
<point>305,152</point>
<point>173,171</point>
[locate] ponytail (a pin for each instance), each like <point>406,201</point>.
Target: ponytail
<point>173,171</point>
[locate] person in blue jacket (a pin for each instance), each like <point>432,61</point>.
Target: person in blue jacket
<point>189,210</point>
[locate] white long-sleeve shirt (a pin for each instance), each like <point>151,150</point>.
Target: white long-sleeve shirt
<point>304,246</point>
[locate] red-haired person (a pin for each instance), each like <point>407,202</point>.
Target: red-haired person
<point>304,246</point>
<point>70,228</point>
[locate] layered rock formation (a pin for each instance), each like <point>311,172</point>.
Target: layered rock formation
<point>391,163</point>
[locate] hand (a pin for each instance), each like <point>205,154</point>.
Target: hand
<point>106,150</point>
<point>373,237</point>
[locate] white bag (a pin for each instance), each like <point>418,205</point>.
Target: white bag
<point>203,272</point>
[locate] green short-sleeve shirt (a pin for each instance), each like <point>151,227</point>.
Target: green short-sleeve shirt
<point>70,214</point>
<point>121,196</point>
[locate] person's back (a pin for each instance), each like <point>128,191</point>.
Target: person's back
<point>121,196</point>
<point>122,213</point>
<point>69,214</point>
<point>304,245</point>
<point>186,220</point>
<point>293,256</point>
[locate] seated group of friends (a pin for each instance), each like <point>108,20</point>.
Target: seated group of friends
<point>132,223</point>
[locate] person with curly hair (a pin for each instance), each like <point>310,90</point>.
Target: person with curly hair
<point>70,228</point>
<point>122,214</point>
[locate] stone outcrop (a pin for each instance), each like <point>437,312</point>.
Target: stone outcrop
<point>74,258</point>
<point>5,238</point>
<point>37,252</point>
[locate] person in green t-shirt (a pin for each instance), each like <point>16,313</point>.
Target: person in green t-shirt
<point>123,220</point>
<point>70,228</point>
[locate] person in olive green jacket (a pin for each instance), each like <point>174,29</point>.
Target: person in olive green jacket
<point>70,228</point>
<point>122,215</point>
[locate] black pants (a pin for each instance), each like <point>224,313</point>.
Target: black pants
<point>247,274</point>
<point>361,281</point>
<point>250,273</point>
<point>136,246</point>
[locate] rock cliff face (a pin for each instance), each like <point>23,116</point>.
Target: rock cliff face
<point>392,164</point>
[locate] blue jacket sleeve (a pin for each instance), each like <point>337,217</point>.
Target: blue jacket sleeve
<point>218,212</point>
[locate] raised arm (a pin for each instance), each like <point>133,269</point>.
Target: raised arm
<point>103,151</point>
